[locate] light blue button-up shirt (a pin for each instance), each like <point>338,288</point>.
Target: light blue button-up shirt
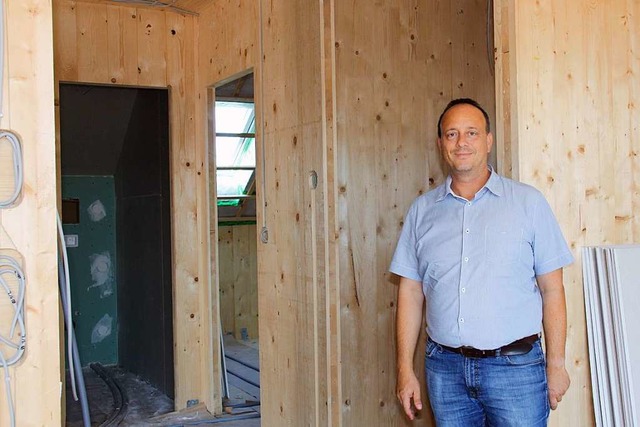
<point>478,261</point>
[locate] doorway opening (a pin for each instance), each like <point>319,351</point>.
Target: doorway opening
<point>234,165</point>
<point>116,191</point>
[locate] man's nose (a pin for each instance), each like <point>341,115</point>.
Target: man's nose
<point>461,140</point>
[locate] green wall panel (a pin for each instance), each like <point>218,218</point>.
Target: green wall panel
<point>92,267</point>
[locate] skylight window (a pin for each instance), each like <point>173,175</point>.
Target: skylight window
<point>235,151</point>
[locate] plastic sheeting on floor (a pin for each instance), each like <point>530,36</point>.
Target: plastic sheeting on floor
<point>611,280</point>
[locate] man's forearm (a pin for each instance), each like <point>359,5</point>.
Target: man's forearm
<point>554,317</point>
<point>408,321</point>
<point>554,322</point>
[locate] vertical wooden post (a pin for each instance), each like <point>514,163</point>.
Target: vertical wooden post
<point>28,110</point>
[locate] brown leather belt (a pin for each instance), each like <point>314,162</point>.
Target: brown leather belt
<point>521,346</point>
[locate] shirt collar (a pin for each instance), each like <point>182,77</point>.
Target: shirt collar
<point>493,184</point>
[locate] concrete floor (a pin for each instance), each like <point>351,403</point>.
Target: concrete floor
<point>150,407</point>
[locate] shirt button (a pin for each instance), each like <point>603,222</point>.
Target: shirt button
<point>466,259</point>
<point>463,290</point>
<point>466,231</point>
<point>468,203</point>
<point>461,320</point>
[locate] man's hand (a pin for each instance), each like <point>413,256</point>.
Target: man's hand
<point>408,388</point>
<point>554,322</point>
<point>558,382</point>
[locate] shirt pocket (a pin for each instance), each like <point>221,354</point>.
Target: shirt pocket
<point>502,244</point>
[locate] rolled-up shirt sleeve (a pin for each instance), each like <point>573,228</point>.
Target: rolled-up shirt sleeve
<point>550,249</point>
<point>405,258</point>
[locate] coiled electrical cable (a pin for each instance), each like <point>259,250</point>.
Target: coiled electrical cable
<point>17,165</point>
<point>9,266</point>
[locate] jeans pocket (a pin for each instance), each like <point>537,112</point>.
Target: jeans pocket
<point>533,357</point>
<point>432,347</point>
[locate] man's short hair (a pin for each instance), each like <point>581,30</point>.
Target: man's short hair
<point>467,101</point>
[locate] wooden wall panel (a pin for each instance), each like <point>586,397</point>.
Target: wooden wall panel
<point>246,295</point>
<point>291,266</point>
<point>91,42</point>
<point>114,44</point>
<point>122,27</point>
<point>226,281</point>
<point>365,122</point>
<point>64,32</point>
<point>153,47</point>
<point>576,132</point>
<point>505,133</point>
<point>237,257</point>
<point>30,226</point>
<point>388,106</point>
<point>226,41</point>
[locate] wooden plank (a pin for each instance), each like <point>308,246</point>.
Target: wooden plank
<point>288,300</point>
<point>246,322</point>
<point>228,49</point>
<point>632,29</point>
<point>30,225</point>
<point>505,134</point>
<point>624,90</point>
<point>65,40</point>
<point>326,235</point>
<point>577,132</point>
<point>152,38</point>
<point>225,49</point>
<point>226,276</point>
<point>91,40</point>
<point>196,346</point>
<point>123,46</point>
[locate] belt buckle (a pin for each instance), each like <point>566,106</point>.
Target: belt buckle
<point>474,352</point>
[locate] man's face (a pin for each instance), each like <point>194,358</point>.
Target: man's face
<point>465,142</point>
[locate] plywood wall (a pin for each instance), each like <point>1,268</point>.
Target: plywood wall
<point>226,43</point>
<point>291,265</point>
<point>28,230</point>
<point>113,44</point>
<point>388,106</point>
<point>364,122</point>
<point>352,91</point>
<point>292,283</point>
<point>575,91</point>
<point>237,266</point>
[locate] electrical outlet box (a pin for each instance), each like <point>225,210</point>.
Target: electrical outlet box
<point>71,240</point>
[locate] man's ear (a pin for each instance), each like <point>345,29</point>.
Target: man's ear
<point>489,142</point>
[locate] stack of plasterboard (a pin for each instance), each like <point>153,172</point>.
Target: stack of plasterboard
<point>612,301</point>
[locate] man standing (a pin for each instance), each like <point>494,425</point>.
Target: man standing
<point>487,254</point>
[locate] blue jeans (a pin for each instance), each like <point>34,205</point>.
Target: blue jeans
<point>493,391</point>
